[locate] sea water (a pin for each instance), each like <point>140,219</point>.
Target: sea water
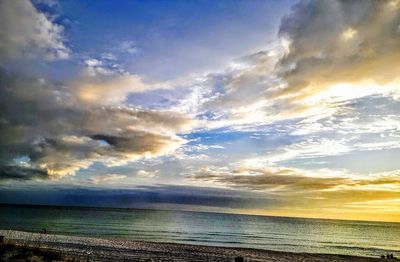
<point>272,233</point>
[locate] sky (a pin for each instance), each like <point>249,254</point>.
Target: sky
<point>286,108</point>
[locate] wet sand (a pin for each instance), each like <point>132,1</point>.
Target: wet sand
<point>97,249</point>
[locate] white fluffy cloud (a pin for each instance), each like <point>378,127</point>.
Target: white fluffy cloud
<point>25,32</point>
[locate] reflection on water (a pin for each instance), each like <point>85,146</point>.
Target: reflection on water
<point>273,233</point>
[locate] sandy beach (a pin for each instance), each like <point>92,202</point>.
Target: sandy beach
<point>96,249</point>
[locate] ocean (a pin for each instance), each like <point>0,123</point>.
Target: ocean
<point>272,233</point>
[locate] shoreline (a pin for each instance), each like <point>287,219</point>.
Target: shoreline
<point>103,249</point>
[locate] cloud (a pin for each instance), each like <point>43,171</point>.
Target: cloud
<point>339,50</point>
<point>158,196</point>
<point>47,124</point>
<point>139,143</point>
<point>63,155</point>
<point>237,96</point>
<point>311,148</point>
<point>329,53</point>
<point>21,173</point>
<point>345,133</point>
<point>103,81</point>
<point>111,178</point>
<point>129,47</point>
<point>292,181</point>
<point>108,88</point>
<point>328,87</point>
<point>25,32</point>
<point>50,3</point>
<point>65,127</point>
<point>321,43</point>
<point>272,179</point>
<point>146,174</point>
<point>309,193</point>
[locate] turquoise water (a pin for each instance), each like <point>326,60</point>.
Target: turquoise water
<point>272,233</point>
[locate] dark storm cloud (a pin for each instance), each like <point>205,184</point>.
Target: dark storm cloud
<point>21,173</point>
<point>150,196</point>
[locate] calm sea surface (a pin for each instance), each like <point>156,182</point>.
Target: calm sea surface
<point>272,233</point>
